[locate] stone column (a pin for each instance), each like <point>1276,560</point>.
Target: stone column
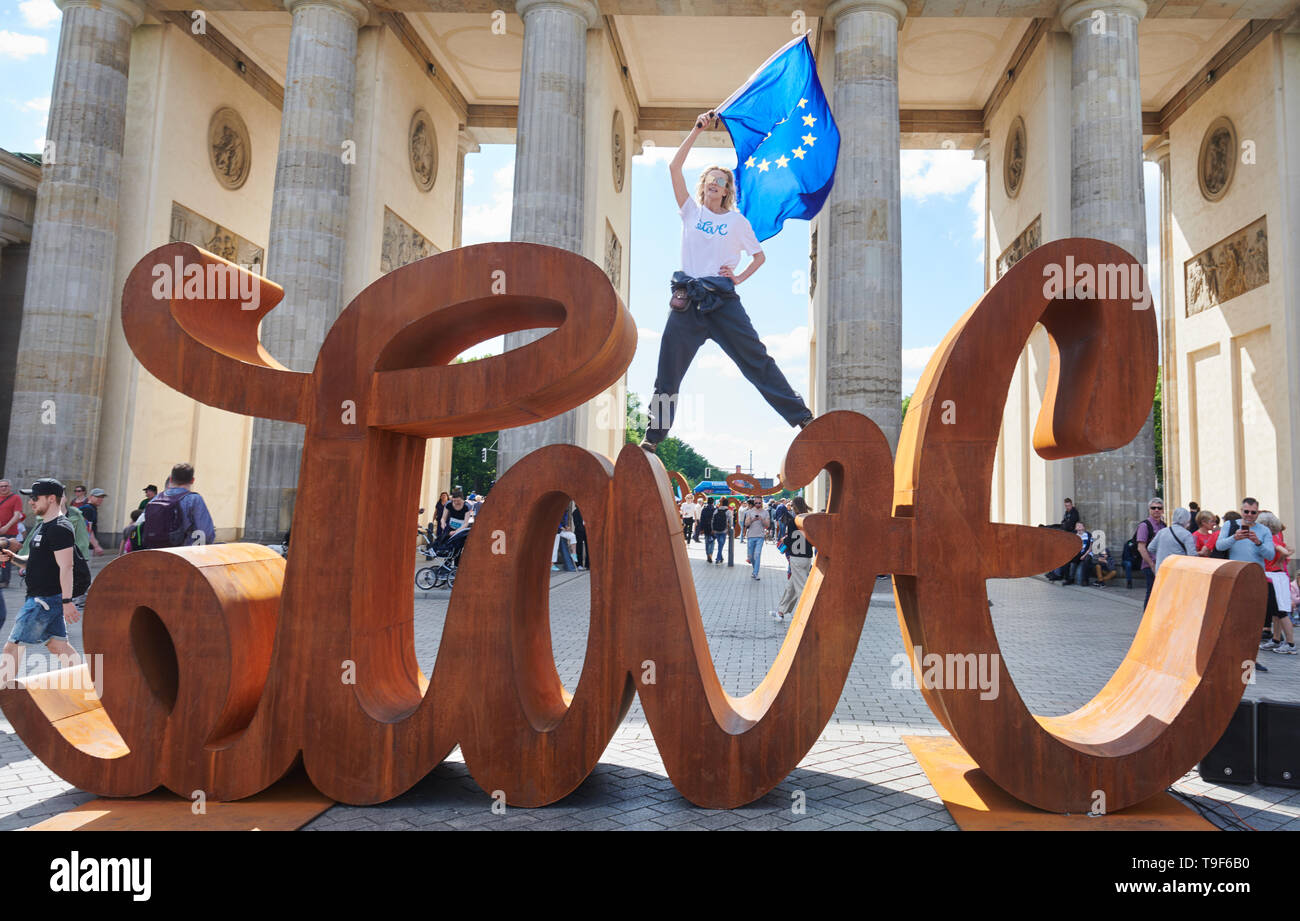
<point>864,270</point>
<point>981,152</point>
<point>1159,154</point>
<point>465,144</point>
<point>549,166</point>
<point>309,211</point>
<point>69,294</point>
<point>1107,202</point>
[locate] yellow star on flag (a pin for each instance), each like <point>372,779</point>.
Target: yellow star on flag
<point>802,103</point>
<point>762,167</point>
<point>749,162</point>
<point>798,152</point>
<point>782,161</point>
<point>809,139</point>
<point>809,119</point>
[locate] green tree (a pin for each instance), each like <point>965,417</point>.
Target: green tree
<point>469,469</point>
<point>1159,428</point>
<point>907,401</point>
<point>674,453</point>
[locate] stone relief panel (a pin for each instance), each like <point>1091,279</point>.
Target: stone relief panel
<point>402,244</point>
<point>190,227</point>
<point>613,256</point>
<point>229,149</point>
<point>1030,238</point>
<point>1217,162</point>
<point>1233,266</point>
<point>423,147</point>
<point>619,151</point>
<point>1013,158</point>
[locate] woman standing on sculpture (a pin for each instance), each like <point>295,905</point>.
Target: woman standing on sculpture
<point>713,238</point>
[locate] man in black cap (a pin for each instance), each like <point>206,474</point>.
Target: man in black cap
<point>149,492</point>
<point>49,583</point>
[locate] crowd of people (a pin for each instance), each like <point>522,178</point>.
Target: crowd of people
<point>50,541</point>
<point>1251,535</point>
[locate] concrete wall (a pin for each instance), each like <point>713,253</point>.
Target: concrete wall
<point>602,420</point>
<point>1236,433</point>
<point>1028,489</point>
<point>174,88</point>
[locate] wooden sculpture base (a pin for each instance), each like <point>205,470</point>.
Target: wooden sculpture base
<point>978,804</point>
<point>287,806</point>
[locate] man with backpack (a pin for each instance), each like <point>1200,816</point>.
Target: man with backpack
<point>54,569</point>
<point>178,517</point>
<point>1146,532</point>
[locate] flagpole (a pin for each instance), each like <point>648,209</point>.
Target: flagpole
<point>772,57</point>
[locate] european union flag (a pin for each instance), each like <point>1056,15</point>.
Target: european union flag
<point>785,138</point>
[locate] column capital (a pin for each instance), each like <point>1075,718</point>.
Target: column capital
<point>132,10</point>
<point>1157,152</point>
<point>586,9</point>
<point>981,151</point>
<point>354,8</point>
<point>839,8</point>
<point>1073,12</point>
<point>465,143</point>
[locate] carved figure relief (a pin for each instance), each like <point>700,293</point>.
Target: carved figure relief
<point>229,149</point>
<point>1013,158</point>
<point>423,146</point>
<point>613,256</point>
<point>1217,162</point>
<point>191,227</point>
<point>619,152</point>
<point>402,245</point>
<point>1233,266</point>
<point>1030,238</point>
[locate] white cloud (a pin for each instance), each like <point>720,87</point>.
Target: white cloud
<point>39,14</point>
<point>469,178</point>
<point>647,335</point>
<point>698,158</point>
<point>491,222</point>
<point>40,104</point>
<point>914,362</point>
<point>20,47</point>
<point>976,204</point>
<point>938,172</point>
<point>787,348</point>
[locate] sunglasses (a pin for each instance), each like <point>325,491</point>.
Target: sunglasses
<point>1250,511</point>
<point>1155,508</point>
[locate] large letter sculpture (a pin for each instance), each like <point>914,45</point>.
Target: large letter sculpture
<point>223,665</point>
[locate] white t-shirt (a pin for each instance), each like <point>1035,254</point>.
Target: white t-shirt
<point>710,241</point>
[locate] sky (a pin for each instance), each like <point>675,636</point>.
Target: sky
<point>721,415</point>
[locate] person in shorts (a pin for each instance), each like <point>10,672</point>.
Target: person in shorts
<point>49,584</point>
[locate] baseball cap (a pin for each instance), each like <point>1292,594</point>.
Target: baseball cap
<point>98,492</point>
<point>45,486</point>
<point>149,487</point>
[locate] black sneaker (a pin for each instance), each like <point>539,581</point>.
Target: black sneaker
<point>1260,668</point>
<point>649,446</point>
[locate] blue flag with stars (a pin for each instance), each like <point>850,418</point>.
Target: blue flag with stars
<point>785,138</point>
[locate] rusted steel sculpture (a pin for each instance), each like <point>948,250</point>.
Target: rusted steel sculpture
<point>747,485</point>
<point>224,665</point>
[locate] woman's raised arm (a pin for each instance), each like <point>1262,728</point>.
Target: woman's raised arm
<point>679,159</point>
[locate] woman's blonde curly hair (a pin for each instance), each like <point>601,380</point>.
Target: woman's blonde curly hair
<point>728,197</point>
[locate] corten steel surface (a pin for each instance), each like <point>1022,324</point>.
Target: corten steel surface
<point>747,485</point>
<point>225,665</point>
<point>977,804</point>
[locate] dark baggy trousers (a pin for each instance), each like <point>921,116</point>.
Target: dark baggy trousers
<point>730,328</point>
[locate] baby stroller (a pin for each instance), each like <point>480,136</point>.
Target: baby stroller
<point>449,550</point>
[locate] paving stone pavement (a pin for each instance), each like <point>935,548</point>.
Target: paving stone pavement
<point>1061,644</point>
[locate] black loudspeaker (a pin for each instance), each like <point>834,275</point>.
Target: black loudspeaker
<point>1232,760</point>
<point>1279,744</point>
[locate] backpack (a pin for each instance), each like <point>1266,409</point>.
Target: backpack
<point>719,523</point>
<point>1218,554</point>
<point>163,523</point>
<point>80,568</point>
